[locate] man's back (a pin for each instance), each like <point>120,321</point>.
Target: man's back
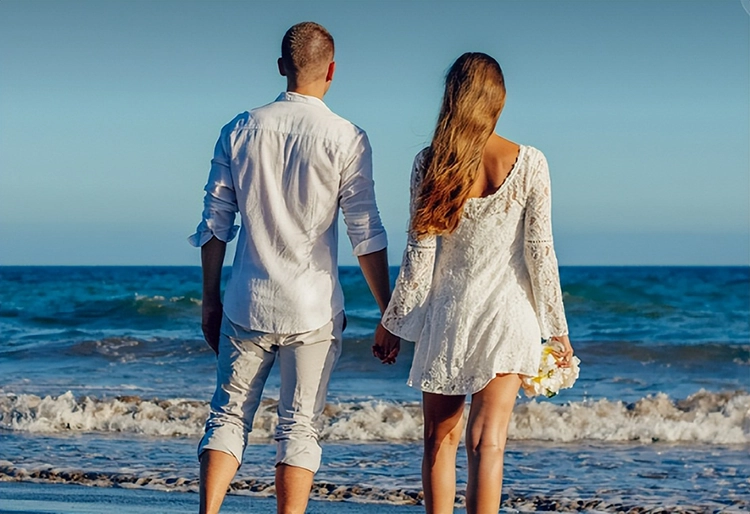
<point>286,167</point>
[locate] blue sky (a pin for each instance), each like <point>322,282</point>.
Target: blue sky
<point>109,111</point>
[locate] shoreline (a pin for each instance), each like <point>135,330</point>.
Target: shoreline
<point>33,496</point>
<point>38,498</point>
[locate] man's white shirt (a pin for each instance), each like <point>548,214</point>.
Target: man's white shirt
<point>286,168</point>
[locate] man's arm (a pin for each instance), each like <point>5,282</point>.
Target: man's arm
<point>212,260</point>
<point>366,232</point>
<point>214,231</point>
<point>375,269</point>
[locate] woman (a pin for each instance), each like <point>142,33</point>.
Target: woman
<point>478,288</point>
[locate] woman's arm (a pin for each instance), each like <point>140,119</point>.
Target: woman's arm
<point>539,254</point>
<point>405,313</point>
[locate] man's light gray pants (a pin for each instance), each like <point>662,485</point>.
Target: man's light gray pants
<point>244,362</point>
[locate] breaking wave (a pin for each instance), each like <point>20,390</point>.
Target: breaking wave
<point>704,417</point>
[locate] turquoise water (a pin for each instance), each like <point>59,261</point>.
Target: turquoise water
<point>92,330</point>
<point>99,361</point>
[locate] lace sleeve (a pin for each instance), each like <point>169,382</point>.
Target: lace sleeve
<point>539,254</point>
<point>405,314</point>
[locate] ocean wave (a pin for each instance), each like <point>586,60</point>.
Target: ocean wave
<point>160,301</point>
<point>686,354</point>
<point>113,311</point>
<point>183,341</point>
<point>115,348</point>
<point>129,349</point>
<point>704,417</point>
<point>330,491</point>
<point>633,351</point>
<point>357,349</point>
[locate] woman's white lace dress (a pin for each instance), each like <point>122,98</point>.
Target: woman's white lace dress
<point>477,302</point>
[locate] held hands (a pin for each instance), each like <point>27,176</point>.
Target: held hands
<point>386,345</point>
<point>212,314</point>
<point>564,354</point>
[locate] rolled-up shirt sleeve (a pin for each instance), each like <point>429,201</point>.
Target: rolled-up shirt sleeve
<point>357,201</point>
<point>219,203</point>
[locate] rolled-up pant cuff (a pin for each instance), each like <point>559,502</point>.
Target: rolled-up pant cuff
<point>224,438</point>
<point>301,453</point>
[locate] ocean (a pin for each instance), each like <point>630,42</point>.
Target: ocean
<point>105,381</point>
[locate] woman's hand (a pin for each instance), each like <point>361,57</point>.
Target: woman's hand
<point>564,353</point>
<point>386,345</point>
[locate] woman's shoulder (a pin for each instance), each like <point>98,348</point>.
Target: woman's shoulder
<point>534,155</point>
<point>417,169</point>
<point>531,162</point>
<point>420,157</point>
<point>519,154</point>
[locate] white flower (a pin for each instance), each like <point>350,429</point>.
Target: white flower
<point>551,378</point>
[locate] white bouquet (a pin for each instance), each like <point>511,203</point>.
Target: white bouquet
<point>551,377</point>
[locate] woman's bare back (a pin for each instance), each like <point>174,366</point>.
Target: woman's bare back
<point>498,159</point>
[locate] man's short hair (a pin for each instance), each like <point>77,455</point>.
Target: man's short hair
<point>306,50</point>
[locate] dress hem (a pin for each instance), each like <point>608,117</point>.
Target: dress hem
<point>412,384</point>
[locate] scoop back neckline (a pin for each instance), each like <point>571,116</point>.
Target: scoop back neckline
<point>511,174</point>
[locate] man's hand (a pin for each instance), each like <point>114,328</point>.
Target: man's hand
<point>386,345</point>
<point>212,314</point>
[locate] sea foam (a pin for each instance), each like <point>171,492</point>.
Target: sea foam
<point>704,417</point>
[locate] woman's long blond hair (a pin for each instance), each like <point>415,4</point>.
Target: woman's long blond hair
<point>474,97</point>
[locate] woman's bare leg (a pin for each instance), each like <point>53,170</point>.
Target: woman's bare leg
<point>443,423</point>
<point>486,434</point>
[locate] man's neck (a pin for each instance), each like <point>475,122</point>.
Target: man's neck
<point>317,89</point>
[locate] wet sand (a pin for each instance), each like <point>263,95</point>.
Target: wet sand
<point>45,498</point>
<point>30,498</point>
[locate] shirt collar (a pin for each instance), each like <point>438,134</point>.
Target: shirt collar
<point>289,96</point>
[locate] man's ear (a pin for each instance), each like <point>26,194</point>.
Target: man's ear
<point>282,70</point>
<point>331,70</point>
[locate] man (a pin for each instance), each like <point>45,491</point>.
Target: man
<point>286,168</point>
